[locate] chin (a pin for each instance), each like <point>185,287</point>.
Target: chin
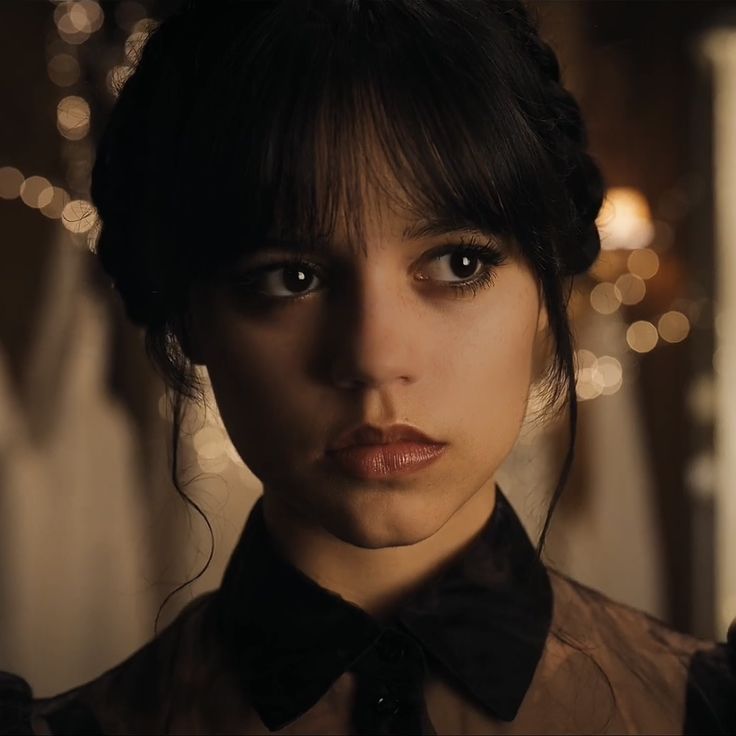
<point>387,518</point>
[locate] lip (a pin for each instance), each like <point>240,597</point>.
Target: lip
<point>371,452</point>
<point>385,460</point>
<point>370,434</point>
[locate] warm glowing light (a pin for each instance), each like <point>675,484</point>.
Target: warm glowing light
<point>63,70</point>
<point>11,181</point>
<point>59,199</point>
<point>643,263</point>
<point>77,21</point>
<point>585,358</point>
<point>586,388</point>
<point>673,326</point>
<point>642,336</point>
<point>79,162</point>
<point>700,475</point>
<point>701,398</point>
<point>631,287</point>
<point>605,298</point>
<point>144,25</point>
<point>60,11</point>
<point>69,32</point>
<point>213,464</point>
<point>36,191</point>
<point>134,45</point>
<point>625,220</point>
<point>117,77</point>
<point>209,442</point>
<point>87,15</point>
<point>597,376</point>
<point>609,373</point>
<point>72,117</point>
<point>79,216</point>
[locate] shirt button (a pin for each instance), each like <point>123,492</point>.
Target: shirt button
<point>390,646</point>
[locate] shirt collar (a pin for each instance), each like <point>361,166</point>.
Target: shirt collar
<point>484,620</point>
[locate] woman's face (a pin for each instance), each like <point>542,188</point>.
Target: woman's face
<point>378,337</point>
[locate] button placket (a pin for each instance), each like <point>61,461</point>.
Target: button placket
<point>391,674</point>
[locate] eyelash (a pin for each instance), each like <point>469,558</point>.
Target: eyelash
<point>486,251</point>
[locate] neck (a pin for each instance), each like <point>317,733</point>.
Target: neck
<point>375,579</point>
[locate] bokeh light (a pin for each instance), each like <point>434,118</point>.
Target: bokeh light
<point>59,200</point>
<point>631,287</point>
<point>209,442</point>
<point>134,45</point>
<point>609,373</point>
<point>73,117</point>
<point>11,180</point>
<point>117,77</point>
<point>76,21</point>
<point>144,25</point>
<point>625,220</point>
<point>79,216</point>
<point>642,336</point>
<point>63,70</point>
<point>36,191</point>
<point>597,376</point>
<point>605,298</point>
<point>673,326</point>
<point>643,263</point>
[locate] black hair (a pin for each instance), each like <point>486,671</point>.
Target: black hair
<point>255,117</point>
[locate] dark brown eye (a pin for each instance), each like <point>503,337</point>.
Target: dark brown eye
<point>297,278</point>
<point>281,280</point>
<point>464,265</point>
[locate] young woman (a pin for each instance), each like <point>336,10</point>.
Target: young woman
<point>364,219</point>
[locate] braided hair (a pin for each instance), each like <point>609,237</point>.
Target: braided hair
<point>213,142</point>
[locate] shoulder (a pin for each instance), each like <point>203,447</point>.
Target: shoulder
<point>650,668</point>
<point>16,701</point>
<point>137,688</point>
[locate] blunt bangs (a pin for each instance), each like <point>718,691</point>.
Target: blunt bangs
<point>340,100</point>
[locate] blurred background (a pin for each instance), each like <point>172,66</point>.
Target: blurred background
<point>92,533</point>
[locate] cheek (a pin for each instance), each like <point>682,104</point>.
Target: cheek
<point>257,380</point>
<point>490,371</point>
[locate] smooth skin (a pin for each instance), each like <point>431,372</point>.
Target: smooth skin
<point>383,340</point>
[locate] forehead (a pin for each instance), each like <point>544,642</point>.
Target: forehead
<point>372,205</point>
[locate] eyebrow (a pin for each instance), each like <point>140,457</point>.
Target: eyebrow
<point>413,231</point>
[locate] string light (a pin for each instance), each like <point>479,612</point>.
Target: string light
<point>134,45</point>
<point>642,336</point>
<point>643,263</point>
<point>597,376</point>
<point>73,117</point>
<point>11,180</point>
<point>63,70</point>
<point>117,77</point>
<point>631,287</point>
<point>625,220</point>
<point>79,216</point>
<point>76,21</point>
<point>605,298</point>
<point>673,326</point>
<point>36,192</point>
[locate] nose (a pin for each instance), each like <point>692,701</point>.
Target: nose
<point>375,336</point>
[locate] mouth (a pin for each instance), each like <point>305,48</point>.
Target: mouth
<point>384,461</point>
<point>371,434</point>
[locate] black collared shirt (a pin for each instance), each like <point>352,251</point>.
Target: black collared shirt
<point>496,643</point>
<point>293,638</point>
